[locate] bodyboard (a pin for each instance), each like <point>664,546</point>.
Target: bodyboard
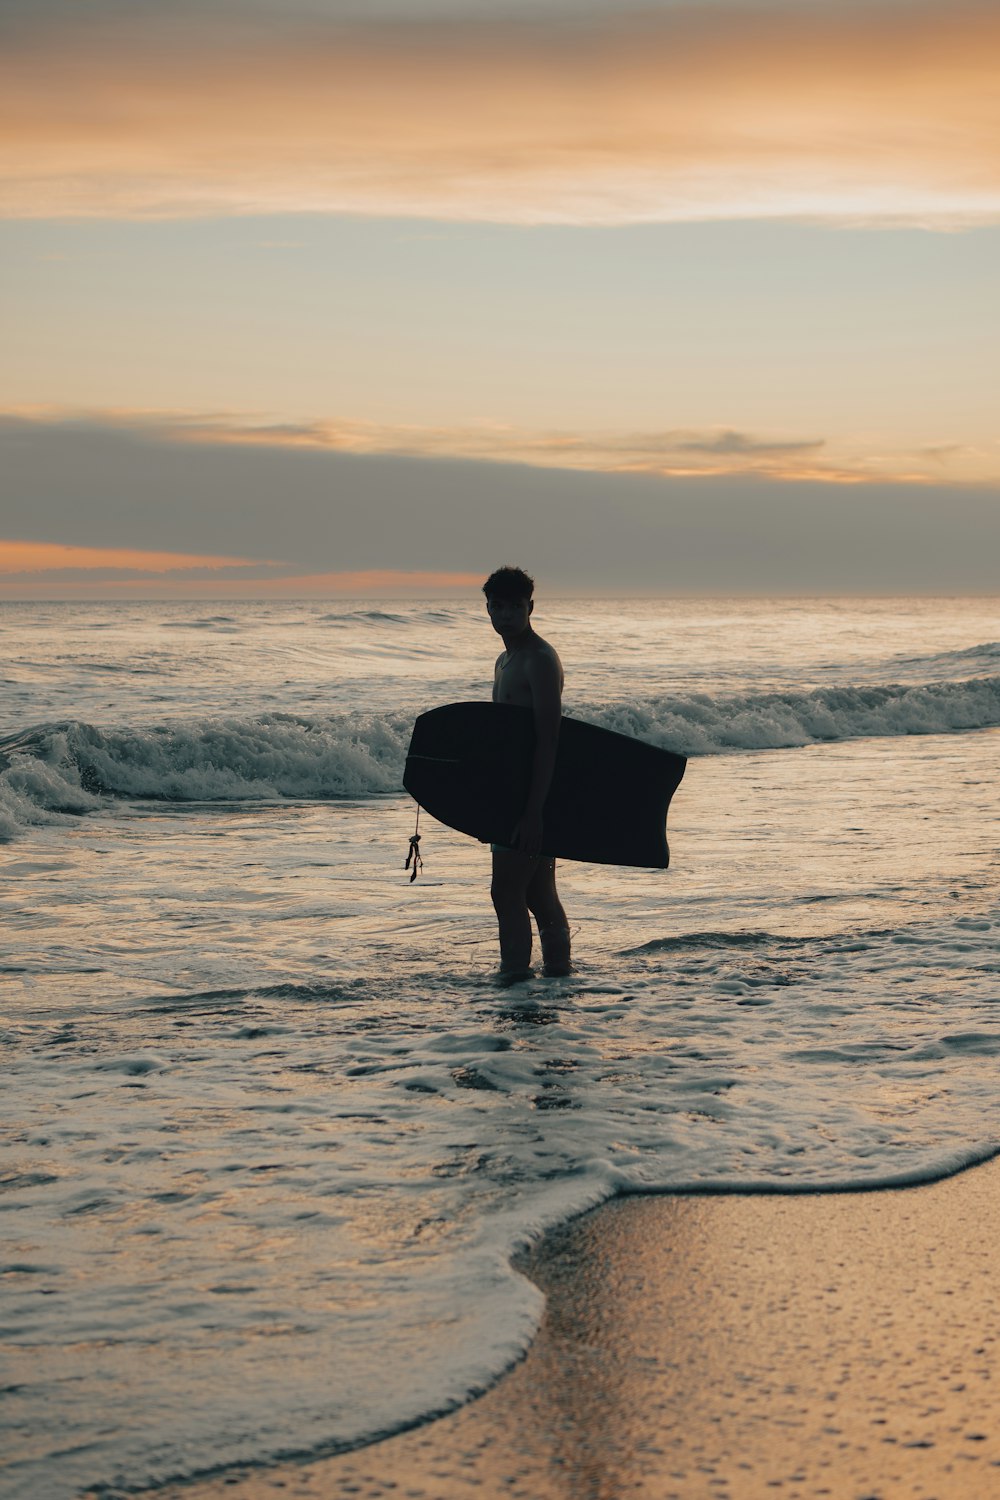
<point>469,765</point>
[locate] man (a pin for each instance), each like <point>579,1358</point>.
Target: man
<point>529,673</point>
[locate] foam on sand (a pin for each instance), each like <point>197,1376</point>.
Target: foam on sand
<point>810,1345</point>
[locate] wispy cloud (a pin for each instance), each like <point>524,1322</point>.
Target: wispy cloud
<point>678,451</point>
<point>876,113</point>
<point>667,453</point>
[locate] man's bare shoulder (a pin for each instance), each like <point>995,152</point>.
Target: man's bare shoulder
<point>542,651</point>
<point>542,664</point>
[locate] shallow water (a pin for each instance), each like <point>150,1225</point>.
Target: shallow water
<point>271,1131</point>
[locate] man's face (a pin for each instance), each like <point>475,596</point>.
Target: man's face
<point>509,616</point>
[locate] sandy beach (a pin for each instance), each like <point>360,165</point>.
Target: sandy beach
<point>734,1346</point>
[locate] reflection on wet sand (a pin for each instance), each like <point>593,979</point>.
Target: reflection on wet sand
<point>730,1346</point>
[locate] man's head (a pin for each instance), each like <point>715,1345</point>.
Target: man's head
<point>508,599</point>
<point>509,583</point>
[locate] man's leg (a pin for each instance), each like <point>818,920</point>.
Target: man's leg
<point>512,873</point>
<point>553,929</point>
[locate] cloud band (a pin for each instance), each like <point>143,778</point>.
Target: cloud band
<point>880,113</point>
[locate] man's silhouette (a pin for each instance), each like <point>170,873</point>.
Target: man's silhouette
<point>528,673</point>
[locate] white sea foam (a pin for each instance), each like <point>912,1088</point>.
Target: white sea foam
<point>37,789</point>
<point>70,767</point>
<point>706,724</point>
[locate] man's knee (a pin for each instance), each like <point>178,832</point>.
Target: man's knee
<point>546,908</point>
<point>511,878</point>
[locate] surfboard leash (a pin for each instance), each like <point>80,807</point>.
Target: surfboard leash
<point>414,852</point>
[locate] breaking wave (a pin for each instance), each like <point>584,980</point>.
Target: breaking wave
<point>55,771</point>
<point>703,724</point>
<point>70,768</point>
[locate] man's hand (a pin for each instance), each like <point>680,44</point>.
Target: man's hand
<point>527,835</point>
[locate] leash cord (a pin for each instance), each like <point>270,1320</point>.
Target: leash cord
<point>414,851</point>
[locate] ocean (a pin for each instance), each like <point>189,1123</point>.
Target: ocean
<point>271,1133</point>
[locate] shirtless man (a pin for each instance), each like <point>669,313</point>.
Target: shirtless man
<point>528,672</point>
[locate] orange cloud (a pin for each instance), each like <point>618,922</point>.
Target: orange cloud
<point>392,582</point>
<point>875,113</point>
<point>38,557</point>
<point>35,580</point>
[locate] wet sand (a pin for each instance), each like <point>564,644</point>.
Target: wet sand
<point>737,1347</point>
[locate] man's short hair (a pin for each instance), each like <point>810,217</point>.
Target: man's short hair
<point>509,583</point>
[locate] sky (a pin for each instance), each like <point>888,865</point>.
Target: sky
<point>314,297</point>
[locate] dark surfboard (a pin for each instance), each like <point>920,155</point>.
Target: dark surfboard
<point>469,765</point>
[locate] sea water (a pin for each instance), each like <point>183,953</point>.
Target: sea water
<point>271,1131</point>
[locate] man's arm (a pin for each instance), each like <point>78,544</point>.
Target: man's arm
<point>543,674</point>
<point>496,677</point>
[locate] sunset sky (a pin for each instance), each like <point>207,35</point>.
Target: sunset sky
<point>315,296</point>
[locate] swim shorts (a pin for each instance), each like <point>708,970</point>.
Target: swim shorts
<point>508,849</point>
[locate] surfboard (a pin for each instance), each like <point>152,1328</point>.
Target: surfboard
<point>469,766</point>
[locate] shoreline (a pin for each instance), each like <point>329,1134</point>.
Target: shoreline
<point>724,1345</point>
